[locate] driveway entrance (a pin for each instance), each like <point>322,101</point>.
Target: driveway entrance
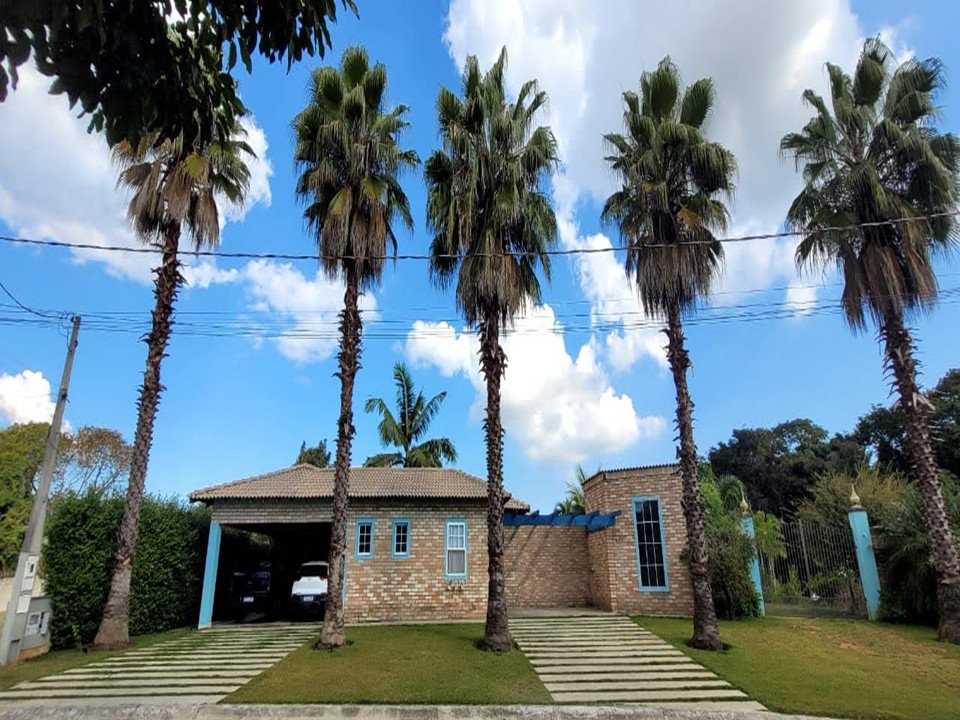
<point>203,667</point>
<point>600,658</point>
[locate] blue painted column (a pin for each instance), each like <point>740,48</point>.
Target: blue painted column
<point>746,524</point>
<point>210,576</point>
<point>866,561</point>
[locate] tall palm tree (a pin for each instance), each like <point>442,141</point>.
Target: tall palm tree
<point>492,222</point>
<point>414,415</point>
<point>668,208</point>
<point>875,156</point>
<point>175,187</point>
<point>348,155</point>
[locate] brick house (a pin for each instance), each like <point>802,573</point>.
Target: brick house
<point>417,541</point>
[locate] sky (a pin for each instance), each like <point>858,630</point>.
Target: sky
<point>250,372</point>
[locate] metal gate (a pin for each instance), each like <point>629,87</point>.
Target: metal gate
<point>817,574</point>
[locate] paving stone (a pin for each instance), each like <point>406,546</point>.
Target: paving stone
<point>120,691</point>
<point>600,663</point>
<point>604,685</point>
<point>549,677</point>
<point>644,695</point>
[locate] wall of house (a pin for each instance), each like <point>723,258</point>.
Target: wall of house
<point>547,566</point>
<point>600,591</point>
<point>388,589</point>
<point>615,490</point>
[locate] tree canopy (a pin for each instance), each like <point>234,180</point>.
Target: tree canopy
<point>406,429</point>
<point>158,66</point>
<point>318,455</point>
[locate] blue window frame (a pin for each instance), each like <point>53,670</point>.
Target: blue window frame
<point>455,549</point>
<point>363,539</point>
<point>652,571</point>
<point>401,538</point>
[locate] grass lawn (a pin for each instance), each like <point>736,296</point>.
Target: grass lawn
<point>60,660</point>
<point>431,664</point>
<point>843,668</point>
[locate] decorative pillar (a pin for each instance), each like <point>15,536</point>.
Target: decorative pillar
<point>210,576</point>
<point>866,561</point>
<point>746,523</point>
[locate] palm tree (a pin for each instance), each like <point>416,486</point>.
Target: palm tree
<point>574,501</point>
<point>415,414</point>
<point>667,210</point>
<point>174,186</point>
<point>875,169</point>
<point>492,223</point>
<point>348,155</point>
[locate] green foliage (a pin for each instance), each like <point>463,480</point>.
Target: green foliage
<point>406,430</point>
<point>138,70</point>
<point>21,453</point>
<point>574,501</point>
<point>769,535</point>
<point>778,465</point>
<point>881,493</point>
<point>81,537</point>
<point>730,552</point>
<point>487,205</point>
<point>318,455</point>
<point>909,581</point>
<point>790,592</point>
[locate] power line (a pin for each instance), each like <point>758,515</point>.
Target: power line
<point>19,304</point>
<point>153,250</point>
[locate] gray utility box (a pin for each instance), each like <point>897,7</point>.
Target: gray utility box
<point>36,631</point>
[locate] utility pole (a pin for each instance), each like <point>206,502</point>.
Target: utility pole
<point>15,620</point>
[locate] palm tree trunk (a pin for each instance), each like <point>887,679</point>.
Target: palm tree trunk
<point>333,635</point>
<point>706,635</point>
<point>926,475</point>
<point>114,632</point>
<point>493,362</point>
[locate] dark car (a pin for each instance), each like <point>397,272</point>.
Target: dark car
<point>250,593</point>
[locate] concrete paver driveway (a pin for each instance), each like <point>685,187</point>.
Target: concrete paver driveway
<point>609,659</point>
<point>203,667</point>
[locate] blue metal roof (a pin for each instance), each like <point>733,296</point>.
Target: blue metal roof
<point>592,521</point>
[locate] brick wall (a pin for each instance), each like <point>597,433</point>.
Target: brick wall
<point>615,490</point>
<point>600,591</point>
<point>414,588</point>
<point>547,566</point>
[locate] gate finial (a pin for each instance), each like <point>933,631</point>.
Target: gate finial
<point>744,507</point>
<point>854,498</point>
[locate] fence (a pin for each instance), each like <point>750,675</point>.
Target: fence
<point>817,575</point>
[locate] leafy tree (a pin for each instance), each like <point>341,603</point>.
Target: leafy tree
<point>574,501</point>
<point>667,209</point>
<point>21,453</point>
<point>882,429</point>
<point>348,155</point>
<point>175,186</point>
<point>877,157</point>
<point>778,465</point>
<point>414,415</point>
<point>318,455</point>
<point>159,67</point>
<point>93,458</point>
<point>491,220</point>
<point>768,535</point>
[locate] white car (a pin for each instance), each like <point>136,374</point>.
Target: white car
<point>308,597</point>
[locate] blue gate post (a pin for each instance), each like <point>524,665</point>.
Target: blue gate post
<point>210,576</point>
<point>746,523</point>
<point>867,563</point>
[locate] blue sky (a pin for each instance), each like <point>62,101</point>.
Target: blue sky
<point>584,384</point>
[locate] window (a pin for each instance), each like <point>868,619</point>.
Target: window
<point>364,542</point>
<point>456,560</point>
<point>401,538</point>
<point>651,549</point>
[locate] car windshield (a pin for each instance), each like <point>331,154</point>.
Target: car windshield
<point>313,570</point>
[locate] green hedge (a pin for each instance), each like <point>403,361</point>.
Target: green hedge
<point>167,571</point>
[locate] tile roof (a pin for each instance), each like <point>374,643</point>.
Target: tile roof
<point>307,482</point>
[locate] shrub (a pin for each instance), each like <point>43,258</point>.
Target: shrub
<point>167,572</point>
<point>881,494</point>
<point>908,579</point>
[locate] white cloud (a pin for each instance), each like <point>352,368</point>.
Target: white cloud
<point>760,55</point>
<point>308,308</point>
<point>560,408</point>
<point>57,181</point>
<point>25,397</point>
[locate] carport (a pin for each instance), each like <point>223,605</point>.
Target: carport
<point>298,527</point>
